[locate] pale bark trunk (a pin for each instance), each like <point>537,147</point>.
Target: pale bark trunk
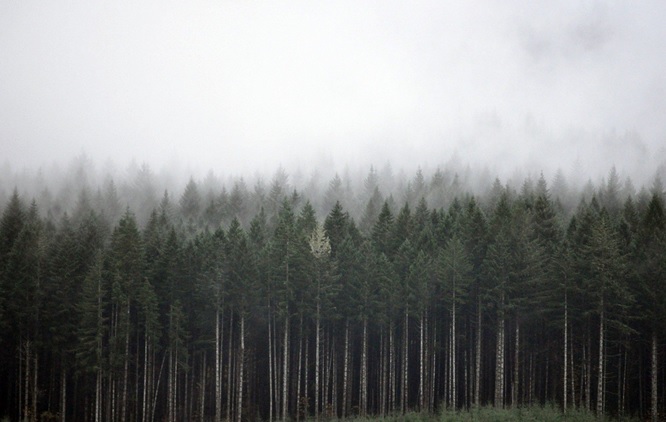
<point>307,379</point>
<point>653,378</point>
<point>477,370</point>
<point>123,408</point>
<point>600,380</point>
<point>499,366</point>
<point>516,366</point>
<point>433,371</point>
<point>230,371</point>
<point>421,367</point>
<point>271,375</point>
<point>454,387</point>
<point>241,357</point>
<point>572,378</point>
<point>566,344</point>
<point>392,374</point>
<point>144,396</point>
<point>285,374</point>
<point>317,363</point>
<point>299,375</point>
<point>363,402</point>
<point>345,372</point>
<point>380,372</point>
<point>219,326</point>
<point>35,373</point>
<point>170,387</point>
<point>405,361</point>
<point>98,395</point>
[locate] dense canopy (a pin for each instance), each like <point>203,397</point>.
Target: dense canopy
<point>285,304</point>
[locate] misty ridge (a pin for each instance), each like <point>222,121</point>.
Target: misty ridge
<point>206,199</point>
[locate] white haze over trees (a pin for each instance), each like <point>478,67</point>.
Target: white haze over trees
<point>240,88</point>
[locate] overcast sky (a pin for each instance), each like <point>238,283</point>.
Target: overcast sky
<point>241,86</point>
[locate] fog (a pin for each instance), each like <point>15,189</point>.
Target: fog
<point>246,87</point>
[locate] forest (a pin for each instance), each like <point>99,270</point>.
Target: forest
<point>220,300</point>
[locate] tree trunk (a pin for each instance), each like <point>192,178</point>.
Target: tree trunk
<point>271,375</point>
<point>566,345</point>
<point>499,355</point>
<point>516,366</point>
<point>241,357</point>
<point>477,370</point>
<point>317,363</point>
<point>345,373</point>
<point>219,327</point>
<point>300,369</point>
<point>363,388</point>
<point>144,396</point>
<point>123,408</point>
<point>98,395</point>
<point>454,397</point>
<point>600,380</point>
<point>35,373</point>
<point>421,367</point>
<point>392,374</point>
<point>230,371</point>
<point>405,361</point>
<point>63,391</point>
<point>202,390</point>
<point>285,374</point>
<point>653,378</point>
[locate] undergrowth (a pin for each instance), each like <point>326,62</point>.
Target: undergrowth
<point>546,413</point>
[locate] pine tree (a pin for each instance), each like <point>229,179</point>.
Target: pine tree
<point>454,271</point>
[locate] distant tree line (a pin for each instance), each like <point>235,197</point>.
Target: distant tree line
<point>242,305</point>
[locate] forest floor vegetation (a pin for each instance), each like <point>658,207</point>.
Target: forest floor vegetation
<point>546,413</point>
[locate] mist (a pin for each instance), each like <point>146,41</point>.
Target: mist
<point>241,88</point>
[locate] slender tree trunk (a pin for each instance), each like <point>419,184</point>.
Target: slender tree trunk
<point>98,395</point>
<point>565,349</point>
<point>433,370</point>
<point>573,373</point>
<point>334,397</point>
<point>307,379</point>
<point>392,374</point>
<point>219,326</point>
<point>230,371</point>
<point>285,374</point>
<point>241,357</point>
<point>271,375</point>
<point>35,373</point>
<point>144,395</point>
<point>516,366</point>
<point>421,366</point>
<point>380,372</point>
<point>477,371</point>
<point>299,375</point>
<point>363,388</point>
<point>170,387</point>
<point>653,378</point>
<point>499,355</point>
<point>317,363</point>
<point>28,358</point>
<point>454,387</point>
<point>123,408</point>
<point>202,390</point>
<point>405,361</point>
<point>63,391</point>
<point>345,372</point>
<point>600,380</point>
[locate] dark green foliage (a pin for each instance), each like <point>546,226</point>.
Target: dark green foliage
<point>144,317</point>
